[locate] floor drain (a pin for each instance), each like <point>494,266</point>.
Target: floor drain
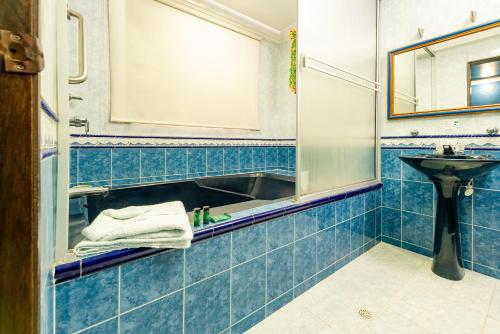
<point>365,314</point>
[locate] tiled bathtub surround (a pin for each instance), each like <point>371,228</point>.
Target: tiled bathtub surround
<point>127,165</point>
<point>409,205</point>
<point>231,281</point>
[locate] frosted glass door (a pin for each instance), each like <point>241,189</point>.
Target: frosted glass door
<point>337,114</point>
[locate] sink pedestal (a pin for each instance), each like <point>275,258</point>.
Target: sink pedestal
<point>447,248</point>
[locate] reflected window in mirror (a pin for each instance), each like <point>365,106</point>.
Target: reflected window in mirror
<point>484,82</point>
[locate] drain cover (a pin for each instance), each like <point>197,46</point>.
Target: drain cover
<point>365,314</point>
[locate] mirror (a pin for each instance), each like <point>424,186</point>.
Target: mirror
<point>451,74</point>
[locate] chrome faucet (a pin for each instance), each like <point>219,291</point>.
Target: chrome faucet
<point>80,122</point>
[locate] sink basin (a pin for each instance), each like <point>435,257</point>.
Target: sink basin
<point>448,172</point>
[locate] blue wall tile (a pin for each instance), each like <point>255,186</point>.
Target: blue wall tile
<point>108,327</point>
<point>176,159</point>
<point>147,279</point>
<point>207,306</point>
<point>279,303</point>
<point>305,258</point>
<point>357,232</point>
<point>357,205</point>
<point>490,180</point>
<point>100,291</point>
<point>342,239</point>
<point>280,232</point>
<point>487,208</point>
<point>279,272</point>
<point>94,164</point>
<point>391,194</point>
<point>370,226</point>
<point>160,317</point>
<point>283,157</point>
<point>466,241</point>
<point>464,207</point>
<point>292,152</point>
<point>248,288</point>
<point>487,247</point>
<point>391,223</point>
<point>126,163</point>
<point>231,159</point>
<point>305,223</point>
<point>326,215</point>
<point>259,158</point>
<point>326,248</point>
<point>271,157</point>
<point>410,173</point>
<point>417,197</point>
<point>152,162</point>
<point>249,322</point>
<point>248,243</point>
<point>196,161</point>
<point>246,159</point>
<point>342,211</point>
<point>370,200</point>
<point>418,230</point>
<point>391,165</point>
<point>304,286</point>
<point>73,168</point>
<point>206,258</point>
<point>215,159</point>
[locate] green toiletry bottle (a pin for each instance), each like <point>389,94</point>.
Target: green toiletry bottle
<point>197,217</point>
<point>206,215</point>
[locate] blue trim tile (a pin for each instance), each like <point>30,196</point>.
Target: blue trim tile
<point>487,208</point>
<point>176,161</point>
<point>280,232</point>
<point>207,258</point>
<point>207,306</point>
<point>249,243</point>
<point>94,165</point>
<point>160,317</point>
<point>391,223</point>
<point>143,280</point>
<point>418,197</point>
<point>231,159</point>
<point>197,161</point>
<point>71,296</point>
<point>305,223</point>
<point>248,288</point>
<point>391,194</point>
<point>126,163</point>
<point>305,259</point>
<point>152,162</point>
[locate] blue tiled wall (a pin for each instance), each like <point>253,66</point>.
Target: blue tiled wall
<point>408,210</point>
<point>118,166</point>
<point>232,281</point>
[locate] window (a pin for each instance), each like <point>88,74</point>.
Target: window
<point>484,82</point>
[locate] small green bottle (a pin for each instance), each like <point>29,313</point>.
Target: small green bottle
<point>206,215</point>
<point>197,218</point>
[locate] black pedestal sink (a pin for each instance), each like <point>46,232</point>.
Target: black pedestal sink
<point>448,172</point>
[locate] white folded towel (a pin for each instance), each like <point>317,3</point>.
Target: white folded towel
<point>163,225</point>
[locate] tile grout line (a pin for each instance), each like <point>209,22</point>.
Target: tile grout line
<point>184,292</point>
<point>119,297</point>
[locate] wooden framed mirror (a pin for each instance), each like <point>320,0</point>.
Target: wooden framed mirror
<point>451,74</point>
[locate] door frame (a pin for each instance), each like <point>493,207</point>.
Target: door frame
<point>19,182</point>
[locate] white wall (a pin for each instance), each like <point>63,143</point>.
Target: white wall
<point>400,20</point>
<point>276,103</point>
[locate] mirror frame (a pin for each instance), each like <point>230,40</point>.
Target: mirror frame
<point>436,40</point>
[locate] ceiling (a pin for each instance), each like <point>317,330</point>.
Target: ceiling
<point>278,14</point>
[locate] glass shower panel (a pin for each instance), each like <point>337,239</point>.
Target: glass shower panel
<point>337,116</point>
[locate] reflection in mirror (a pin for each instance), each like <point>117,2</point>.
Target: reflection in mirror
<point>453,74</point>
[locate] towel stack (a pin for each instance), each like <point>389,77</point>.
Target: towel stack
<point>157,226</point>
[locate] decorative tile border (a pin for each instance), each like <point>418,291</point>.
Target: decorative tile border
<point>48,152</point>
<point>96,139</point>
<point>48,111</point>
<point>82,267</point>
<point>434,140</point>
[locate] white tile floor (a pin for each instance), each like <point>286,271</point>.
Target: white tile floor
<point>402,294</point>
